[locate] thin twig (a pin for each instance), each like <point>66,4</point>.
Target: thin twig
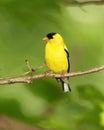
<point>72,74</point>
<point>40,67</point>
<point>31,70</point>
<point>83,3</point>
<point>28,65</point>
<point>23,74</point>
<point>28,79</point>
<point>93,70</point>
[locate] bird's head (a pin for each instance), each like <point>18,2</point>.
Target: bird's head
<point>53,37</point>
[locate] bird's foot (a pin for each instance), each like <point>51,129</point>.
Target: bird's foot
<point>62,73</point>
<point>47,72</point>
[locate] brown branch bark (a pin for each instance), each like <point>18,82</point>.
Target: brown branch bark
<point>7,123</point>
<point>83,3</point>
<point>28,79</point>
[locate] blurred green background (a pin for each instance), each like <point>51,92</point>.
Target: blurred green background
<point>23,24</point>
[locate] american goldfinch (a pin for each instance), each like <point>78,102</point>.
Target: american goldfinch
<point>57,57</point>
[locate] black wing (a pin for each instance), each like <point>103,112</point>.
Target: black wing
<point>67,53</point>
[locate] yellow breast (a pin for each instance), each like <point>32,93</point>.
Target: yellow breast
<point>55,57</point>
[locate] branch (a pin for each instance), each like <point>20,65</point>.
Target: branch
<point>24,78</point>
<point>83,3</point>
<point>7,123</point>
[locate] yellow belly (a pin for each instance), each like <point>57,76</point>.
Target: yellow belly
<point>56,59</point>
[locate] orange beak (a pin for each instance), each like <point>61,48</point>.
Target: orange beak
<point>45,39</point>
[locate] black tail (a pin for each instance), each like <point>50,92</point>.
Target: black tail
<point>65,84</point>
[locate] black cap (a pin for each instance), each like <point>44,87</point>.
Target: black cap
<point>50,35</point>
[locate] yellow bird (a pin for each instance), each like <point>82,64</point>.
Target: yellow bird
<point>57,57</point>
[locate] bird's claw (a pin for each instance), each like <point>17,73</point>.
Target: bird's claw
<point>47,72</point>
